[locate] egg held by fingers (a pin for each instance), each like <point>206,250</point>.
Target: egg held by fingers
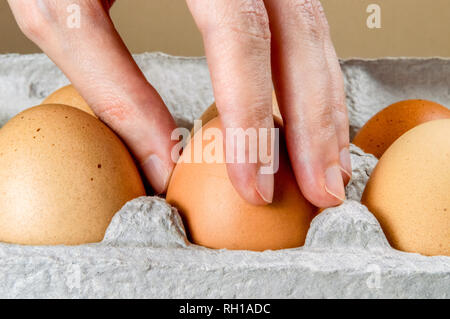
<point>216,216</point>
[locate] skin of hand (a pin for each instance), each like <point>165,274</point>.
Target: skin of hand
<point>249,44</point>
<point>98,64</point>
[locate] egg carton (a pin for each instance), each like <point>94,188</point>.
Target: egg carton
<point>145,253</point>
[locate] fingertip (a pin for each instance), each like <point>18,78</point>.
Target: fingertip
<point>251,184</point>
<point>265,186</point>
<point>334,184</point>
<point>346,177</point>
<point>322,198</point>
<point>345,165</point>
<point>157,173</point>
<point>322,189</point>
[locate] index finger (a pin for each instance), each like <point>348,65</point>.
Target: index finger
<point>236,35</point>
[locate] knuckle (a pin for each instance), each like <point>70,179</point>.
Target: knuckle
<point>323,127</point>
<point>112,112</point>
<point>323,120</point>
<point>32,22</point>
<point>252,19</point>
<point>94,10</point>
<point>322,17</point>
<point>340,114</point>
<point>338,98</point>
<point>321,117</point>
<point>326,136</point>
<point>338,102</point>
<point>247,18</point>
<point>306,14</point>
<point>32,28</point>
<point>304,8</point>
<point>259,115</point>
<point>38,18</point>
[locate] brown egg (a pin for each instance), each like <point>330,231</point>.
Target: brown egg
<point>212,112</point>
<point>392,122</point>
<point>68,95</point>
<point>63,176</point>
<point>217,217</point>
<point>409,190</point>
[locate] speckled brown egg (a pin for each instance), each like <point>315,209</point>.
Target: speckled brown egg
<point>392,122</point>
<point>409,190</point>
<point>217,217</point>
<point>63,176</point>
<point>68,95</point>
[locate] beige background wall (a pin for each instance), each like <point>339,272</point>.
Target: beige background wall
<point>409,28</point>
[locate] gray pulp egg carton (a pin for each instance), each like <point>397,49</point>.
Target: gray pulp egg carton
<point>145,253</point>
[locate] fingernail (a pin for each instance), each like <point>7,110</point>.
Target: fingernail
<point>157,173</point>
<point>346,163</point>
<point>264,186</point>
<point>333,182</point>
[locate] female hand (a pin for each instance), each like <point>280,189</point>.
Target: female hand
<point>249,44</point>
<point>101,68</point>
